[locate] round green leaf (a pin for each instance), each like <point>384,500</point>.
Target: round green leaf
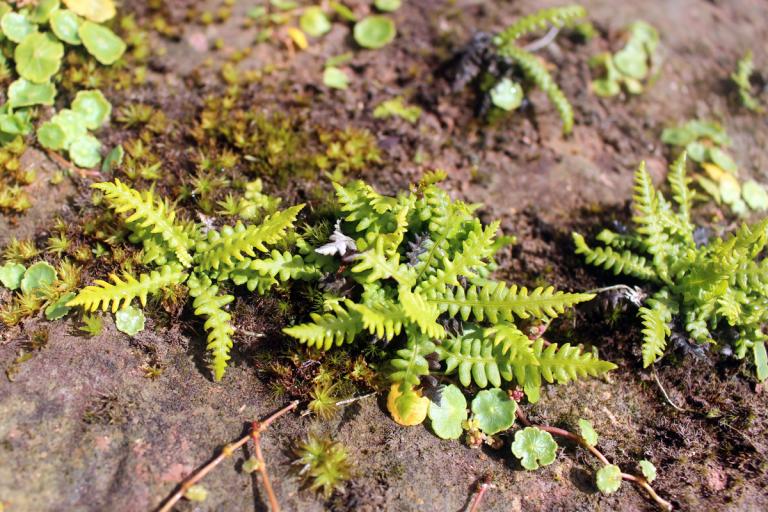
<point>59,309</point>
<point>387,5</point>
<point>754,195</point>
<point>17,123</point>
<point>534,447</point>
<point>71,123</point>
<point>606,88</point>
<point>65,24</point>
<point>648,469</point>
<point>722,159</point>
<point>113,159</point>
<point>314,22</point>
<point>587,432</point>
<point>696,151</point>
<point>94,108</point>
<point>38,57</point>
<point>51,136</point>
<point>335,78</point>
<point>85,151</point>
<point>507,95</point>
<point>374,31</point>
<point>678,136</point>
<point>196,493</point>
<point>493,410</point>
<point>16,26</point>
<point>632,61</point>
<point>23,93</point>
<point>37,276</point>
<point>101,42</point>
<point>608,479</point>
<point>130,320</point>
<point>11,275</point>
<point>43,10</point>
<point>449,415</point>
<point>730,190</point>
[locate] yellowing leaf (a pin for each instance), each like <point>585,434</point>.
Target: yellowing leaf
<point>417,411</point>
<point>298,38</point>
<point>714,172</point>
<point>94,10</point>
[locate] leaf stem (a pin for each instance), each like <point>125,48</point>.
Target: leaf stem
<point>642,482</point>
<point>257,428</point>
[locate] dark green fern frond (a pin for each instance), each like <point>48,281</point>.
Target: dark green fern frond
<point>556,16</point>
<point>620,263</point>
<point>536,71</point>
<point>122,290</point>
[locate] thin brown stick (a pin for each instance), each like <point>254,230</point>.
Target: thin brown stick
<point>256,429</point>
<point>65,164</point>
<point>642,482</point>
<point>482,488</point>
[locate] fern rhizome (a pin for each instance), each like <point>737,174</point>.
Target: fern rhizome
<point>712,288</point>
<point>506,68</point>
<point>415,271</point>
<point>197,256</point>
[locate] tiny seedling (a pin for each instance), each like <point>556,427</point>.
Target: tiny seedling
<point>505,71</point>
<point>742,78</point>
<point>631,66</point>
<point>712,292</point>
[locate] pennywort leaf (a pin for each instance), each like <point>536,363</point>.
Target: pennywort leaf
<point>130,320</point>
<point>102,43</point>
<point>608,479</point>
<point>449,414</point>
<point>493,410</point>
<point>534,447</point>
<point>587,432</point>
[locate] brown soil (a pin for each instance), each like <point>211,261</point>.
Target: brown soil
<point>81,428</point>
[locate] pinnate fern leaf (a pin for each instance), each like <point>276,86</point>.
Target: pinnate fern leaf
<point>328,329</point>
<point>150,213</point>
<point>209,304</point>
<point>556,16</point>
<point>235,243</point>
<point>495,301</point>
<point>122,290</point>
<point>620,263</point>
<point>536,71</point>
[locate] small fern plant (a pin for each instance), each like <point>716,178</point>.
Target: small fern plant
<point>715,289</point>
<point>497,64</point>
<point>197,256</point>
<point>414,271</point>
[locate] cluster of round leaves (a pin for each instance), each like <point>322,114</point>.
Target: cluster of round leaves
<point>493,411</point>
<point>32,280</point>
<point>372,32</point>
<point>629,66</point>
<point>68,129</point>
<point>36,36</point>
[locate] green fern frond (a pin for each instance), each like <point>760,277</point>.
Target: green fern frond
<point>150,213</point>
<point>478,247</point>
<point>537,72</point>
<point>620,263</point>
<point>481,359</point>
<point>232,243</point>
<point>566,363</point>
<point>209,304</point>
<point>124,289</point>
<point>656,318</point>
<point>421,312</point>
<point>384,320</point>
<point>495,301</point>
<point>678,182</point>
<point>410,363</point>
<point>619,241</point>
<point>328,329</point>
<point>556,16</point>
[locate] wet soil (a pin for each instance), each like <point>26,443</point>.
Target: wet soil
<point>82,428</point>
